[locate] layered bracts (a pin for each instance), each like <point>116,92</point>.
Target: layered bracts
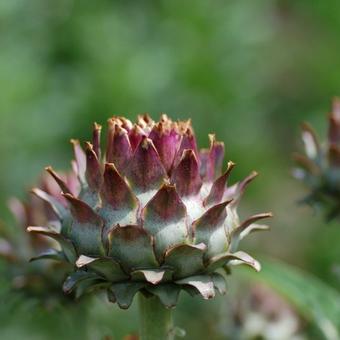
<point>319,167</point>
<point>154,214</point>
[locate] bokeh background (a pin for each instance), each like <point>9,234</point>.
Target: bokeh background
<point>250,71</point>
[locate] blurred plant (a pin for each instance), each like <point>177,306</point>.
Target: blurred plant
<point>38,280</point>
<point>319,167</point>
<point>262,314</point>
<point>154,216</point>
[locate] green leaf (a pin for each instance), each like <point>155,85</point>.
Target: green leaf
<point>314,299</point>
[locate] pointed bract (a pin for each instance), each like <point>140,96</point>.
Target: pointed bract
<point>86,229</point>
<point>135,136</point>
<point>96,139</point>
<point>165,218</point>
<point>242,228</point>
<point>188,141</point>
<point>115,192</point>
<point>186,176</point>
<point>82,212</point>
<point>214,159</point>
<point>186,259</point>
<point>132,246</point>
<point>80,158</point>
<point>63,186</point>
<point>219,186</point>
<point>65,244</point>
<point>55,205</point>
<point>165,206</point>
<point>119,150</point>
<point>93,172</point>
<point>166,140</point>
<point>210,230</point>
<point>237,258</point>
<point>146,171</point>
<point>236,191</point>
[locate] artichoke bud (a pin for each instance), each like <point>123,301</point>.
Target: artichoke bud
<point>153,213</point>
<point>319,166</point>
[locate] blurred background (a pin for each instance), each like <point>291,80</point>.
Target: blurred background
<point>250,71</point>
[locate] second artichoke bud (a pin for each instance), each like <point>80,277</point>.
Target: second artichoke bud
<point>319,167</point>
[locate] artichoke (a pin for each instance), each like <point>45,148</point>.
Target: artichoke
<point>319,167</point>
<point>38,280</point>
<point>154,214</point>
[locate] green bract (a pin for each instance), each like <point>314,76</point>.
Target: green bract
<point>154,214</point>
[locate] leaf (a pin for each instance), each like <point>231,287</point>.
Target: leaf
<point>314,299</point>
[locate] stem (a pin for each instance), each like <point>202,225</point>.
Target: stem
<point>155,321</point>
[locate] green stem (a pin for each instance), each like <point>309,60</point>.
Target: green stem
<point>155,321</point>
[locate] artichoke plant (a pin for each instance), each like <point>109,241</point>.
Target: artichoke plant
<point>154,215</point>
<point>319,167</point>
<point>39,280</point>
